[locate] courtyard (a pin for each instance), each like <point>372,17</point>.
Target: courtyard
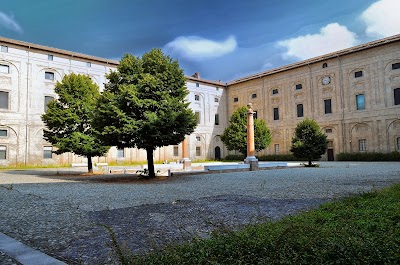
<point>64,215</point>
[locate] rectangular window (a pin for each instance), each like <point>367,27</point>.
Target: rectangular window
<point>47,152</point>
<point>216,119</point>
<point>5,69</point>
<point>235,99</point>
<point>254,96</point>
<point>198,139</point>
<point>397,96</point>
<point>3,100</point>
<point>360,101</point>
<point>49,75</point>
<point>88,64</point>
<point>276,114</point>
<point>299,86</point>
<point>300,112</point>
<point>274,91</point>
<point>198,151</point>
<point>121,153</point>
<point>358,74</point>
<point>47,99</point>
<point>197,85</point>
<point>197,114</point>
<point>3,133</point>
<point>328,106</point>
<point>4,48</point>
<point>276,149</point>
<point>255,114</point>
<point>176,150</point>
<point>398,143</point>
<point>50,57</point>
<point>395,66</point>
<point>362,145</point>
<point>197,97</point>
<point>328,130</point>
<point>3,152</point>
<point>216,99</point>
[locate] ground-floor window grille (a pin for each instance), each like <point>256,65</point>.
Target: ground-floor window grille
<point>398,143</point>
<point>121,153</point>
<point>47,152</point>
<point>276,149</point>
<point>362,145</point>
<point>176,150</point>
<point>3,152</point>
<point>198,151</point>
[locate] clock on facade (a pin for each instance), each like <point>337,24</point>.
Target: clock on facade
<point>326,80</point>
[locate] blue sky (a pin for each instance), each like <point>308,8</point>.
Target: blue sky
<point>223,40</point>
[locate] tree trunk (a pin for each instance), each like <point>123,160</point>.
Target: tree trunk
<point>309,161</point>
<point>150,162</point>
<point>89,164</point>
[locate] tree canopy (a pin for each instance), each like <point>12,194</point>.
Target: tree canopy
<point>144,106</point>
<point>235,135</point>
<point>308,141</point>
<point>68,119</point>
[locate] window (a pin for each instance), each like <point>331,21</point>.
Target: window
<point>47,152</point>
<point>358,74</point>
<point>274,91</point>
<point>47,99</point>
<point>299,86</point>
<point>328,130</point>
<point>4,48</point>
<point>395,66</point>
<point>254,96</point>
<point>3,100</point>
<point>5,69</point>
<point>3,133</point>
<point>197,85</point>
<point>397,96</point>
<point>235,99</point>
<point>49,75</point>
<point>255,114</point>
<point>362,145</point>
<point>276,149</point>
<point>398,143</point>
<point>216,119</point>
<point>324,65</point>
<point>216,99</point>
<point>88,64</point>
<point>121,153</point>
<point>50,57</point>
<point>328,106</point>
<point>197,114</point>
<point>198,151</point>
<point>3,152</point>
<point>300,112</point>
<point>276,114</point>
<point>198,139</point>
<point>197,97</point>
<point>360,101</point>
<point>176,150</point>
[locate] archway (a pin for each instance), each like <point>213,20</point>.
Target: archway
<point>217,153</point>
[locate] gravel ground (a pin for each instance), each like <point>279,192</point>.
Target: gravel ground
<point>60,215</point>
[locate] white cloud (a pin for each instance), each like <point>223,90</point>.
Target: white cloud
<point>332,37</point>
<point>382,18</point>
<point>193,47</point>
<point>9,23</point>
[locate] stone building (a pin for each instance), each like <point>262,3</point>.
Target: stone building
<point>354,94</point>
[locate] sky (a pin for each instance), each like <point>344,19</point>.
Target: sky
<point>220,39</point>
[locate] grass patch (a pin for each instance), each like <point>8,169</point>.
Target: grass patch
<point>24,167</point>
<point>364,229</point>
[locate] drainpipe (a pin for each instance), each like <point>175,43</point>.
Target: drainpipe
<point>342,105</point>
<point>27,109</point>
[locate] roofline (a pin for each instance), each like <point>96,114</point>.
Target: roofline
<point>357,48</point>
<point>58,51</point>
<point>209,82</point>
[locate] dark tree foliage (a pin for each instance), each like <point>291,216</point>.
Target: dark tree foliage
<point>143,104</point>
<point>235,135</point>
<point>308,141</point>
<point>68,119</point>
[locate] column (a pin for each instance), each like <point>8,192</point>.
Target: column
<point>187,164</point>
<point>251,159</point>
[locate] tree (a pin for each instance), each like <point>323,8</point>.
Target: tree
<point>308,141</point>
<point>235,135</point>
<point>68,119</point>
<point>143,104</point>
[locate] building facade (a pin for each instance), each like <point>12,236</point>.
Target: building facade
<point>354,95</point>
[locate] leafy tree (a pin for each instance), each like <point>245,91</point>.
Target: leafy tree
<point>143,104</point>
<point>68,119</point>
<point>235,135</point>
<point>308,141</point>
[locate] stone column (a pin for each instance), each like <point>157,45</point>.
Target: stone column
<point>251,159</point>
<point>187,164</point>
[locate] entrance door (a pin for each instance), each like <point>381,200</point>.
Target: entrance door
<point>217,153</point>
<point>331,157</point>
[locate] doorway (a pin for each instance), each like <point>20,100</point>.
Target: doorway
<point>331,156</point>
<point>217,153</point>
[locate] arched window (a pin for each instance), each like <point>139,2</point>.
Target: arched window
<point>324,65</point>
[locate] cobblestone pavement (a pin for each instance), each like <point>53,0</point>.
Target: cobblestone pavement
<point>64,215</point>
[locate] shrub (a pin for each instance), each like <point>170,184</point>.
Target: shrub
<point>234,158</point>
<point>285,157</point>
<point>372,156</point>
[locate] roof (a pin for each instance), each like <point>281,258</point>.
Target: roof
<point>324,57</point>
<point>209,82</point>
<point>57,51</point>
